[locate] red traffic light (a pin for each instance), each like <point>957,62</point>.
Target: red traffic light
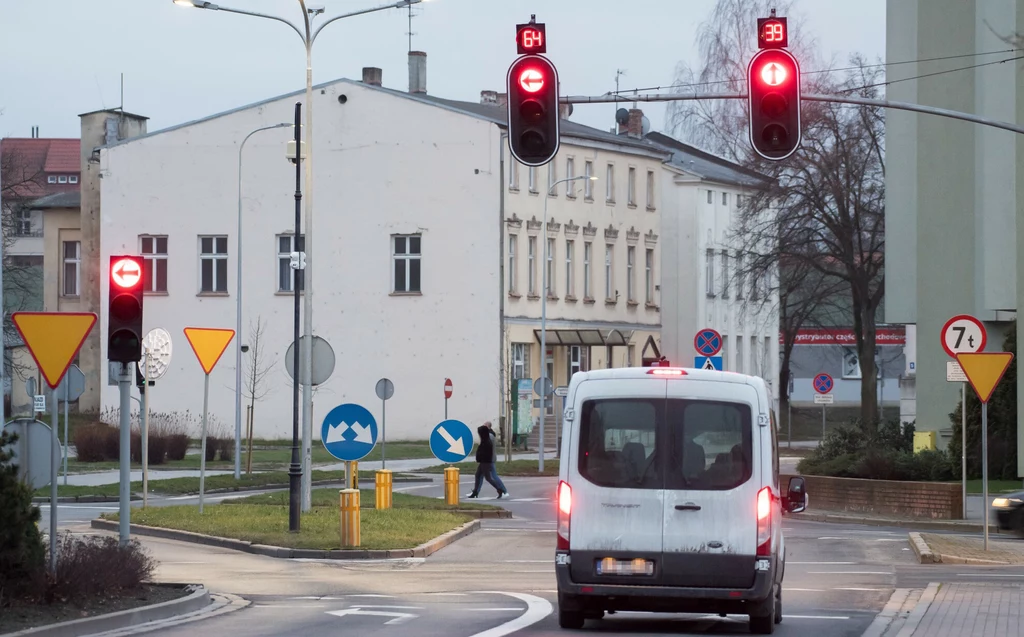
<point>533,111</point>
<point>773,83</point>
<point>531,80</point>
<point>774,74</point>
<point>126,272</point>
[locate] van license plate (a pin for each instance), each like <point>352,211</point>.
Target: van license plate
<point>612,566</point>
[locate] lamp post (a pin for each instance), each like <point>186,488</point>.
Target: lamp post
<point>238,308</point>
<point>544,318</point>
<point>308,34</point>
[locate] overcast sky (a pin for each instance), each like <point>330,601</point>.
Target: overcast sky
<point>181,64</point>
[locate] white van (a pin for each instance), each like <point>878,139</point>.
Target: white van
<point>669,497</point>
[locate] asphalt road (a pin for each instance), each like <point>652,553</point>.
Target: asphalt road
<point>500,581</point>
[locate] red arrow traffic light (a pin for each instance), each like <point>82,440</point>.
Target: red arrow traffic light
<point>124,309</point>
<point>773,82</point>
<point>533,118</point>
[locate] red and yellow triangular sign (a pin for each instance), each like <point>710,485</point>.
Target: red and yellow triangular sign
<point>53,339</point>
<point>209,344</point>
<point>984,370</point>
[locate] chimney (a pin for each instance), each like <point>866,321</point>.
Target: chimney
<point>488,97</point>
<point>564,110</point>
<point>373,76</point>
<point>417,72</point>
<point>635,127</point>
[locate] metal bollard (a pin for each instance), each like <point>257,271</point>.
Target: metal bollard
<point>354,476</point>
<point>384,489</point>
<point>451,486</point>
<point>350,518</point>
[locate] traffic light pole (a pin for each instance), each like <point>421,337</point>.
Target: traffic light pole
<point>295,469</point>
<point>124,386</point>
<point>836,99</point>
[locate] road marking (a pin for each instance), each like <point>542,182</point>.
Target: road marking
<point>803,590</point>
<point>851,573</point>
<point>494,610</point>
<point>830,537</point>
<point>397,618</point>
<point>527,561</point>
<point>372,595</point>
<point>822,563</point>
<point>287,606</point>
<point>323,599</point>
<point>986,575</point>
<point>836,617</point>
<point>537,608</point>
<point>393,607</point>
<point>450,594</point>
<point>859,589</point>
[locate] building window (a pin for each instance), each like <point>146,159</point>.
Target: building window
<point>630,273</point>
<point>213,265</point>
<point>631,187</point>
<point>520,360</point>
<point>72,267</point>
<point>406,255</point>
<point>609,283</point>
<point>570,280</point>
<point>550,283</point>
<point>609,184</point>
<point>588,249</point>
<point>533,179</point>
<point>725,199</point>
<point>649,276</point>
<point>62,179</point>
<point>532,264</point>
<point>513,175</point>
<point>154,252</point>
<point>513,240</point>
<point>285,274</point>
<point>576,361</point>
<point>725,274</point>
<point>570,172</point>
<point>23,223</point>
<point>740,265</point>
<point>552,178</point>
<point>52,179</point>
<point>650,190</point>
<point>709,272</point>
<point>588,183</point>
<point>711,196</point>
<point>72,179</point>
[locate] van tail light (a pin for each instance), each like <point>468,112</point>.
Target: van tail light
<point>564,514</point>
<point>764,522</point>
<point>664,371</point>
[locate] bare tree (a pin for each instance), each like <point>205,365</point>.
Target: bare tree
<point>256,370</point>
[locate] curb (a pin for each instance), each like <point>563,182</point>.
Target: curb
<point>423,550</point>
<point>926,555</point>
<point>197,600</point>
<point>71,499</point>
<point>889,613</point>
<point>933,525</point>
<point>922,550</point>
<point>922,606</point>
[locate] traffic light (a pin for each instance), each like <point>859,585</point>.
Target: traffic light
<point>533,118</point>
<point>124,310</point>
<point>773,85</point>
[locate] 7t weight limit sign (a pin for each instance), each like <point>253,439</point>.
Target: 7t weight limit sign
<point>963,333</point>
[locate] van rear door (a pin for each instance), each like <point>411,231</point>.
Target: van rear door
<point>616,478</point>
<point>712,480</point>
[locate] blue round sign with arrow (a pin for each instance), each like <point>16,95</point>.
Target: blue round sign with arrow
<point>349,432</point>
<point>451,441</point>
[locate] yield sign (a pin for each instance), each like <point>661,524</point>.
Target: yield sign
<point>208,344</point>
<point>54,339</point>
<point>984,370</point>
<point>126,273</point>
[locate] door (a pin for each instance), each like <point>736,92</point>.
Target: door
<point>711,485</point>
<point>616,480</point>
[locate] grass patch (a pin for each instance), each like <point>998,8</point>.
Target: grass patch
<point>268,524</point>
<point>512,469</point>
<point>329,498</point>
<point>994,486</point>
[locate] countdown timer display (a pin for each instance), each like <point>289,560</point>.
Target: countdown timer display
<point>531,38</point>
<point>772,33</point>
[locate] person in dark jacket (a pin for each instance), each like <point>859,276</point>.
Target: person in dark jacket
<point>485,455</point>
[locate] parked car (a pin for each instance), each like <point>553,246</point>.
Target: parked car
<point>669,498</point>
<point>1009,512</point>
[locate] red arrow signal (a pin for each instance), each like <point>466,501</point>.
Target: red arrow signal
<point>126,273</point>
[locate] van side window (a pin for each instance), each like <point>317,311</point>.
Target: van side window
<point>775,451</point>
<point>618,439</point>
<point>711,445</point>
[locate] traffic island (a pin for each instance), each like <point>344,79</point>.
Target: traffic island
<point>414,527</point>
<point>510,469</point>
<point>932,548</point>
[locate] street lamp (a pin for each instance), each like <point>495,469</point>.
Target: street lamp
<point>308,35</point>
<point>239,348</point>
<point>544,317</point>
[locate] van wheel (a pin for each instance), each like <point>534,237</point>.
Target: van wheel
<point>778,605</point>
<point>570,620</point>
<point>763,623</point>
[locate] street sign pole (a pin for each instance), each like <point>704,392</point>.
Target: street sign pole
<point>124,386</point>
<point>963,444</point>
<point>54,464</point>
<point>145,426</point>
<point>384,434</point>
<point>202,458</point>
<point>984,469</point>
<point>67,393</point>
<point>822,422</point>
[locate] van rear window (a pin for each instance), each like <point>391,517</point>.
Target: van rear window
<point>656,443</point>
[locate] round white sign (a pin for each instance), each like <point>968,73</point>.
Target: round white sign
<point>157,355</point>
<point>963,333</point>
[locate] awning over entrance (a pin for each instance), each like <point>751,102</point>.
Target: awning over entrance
<point>586,337</point>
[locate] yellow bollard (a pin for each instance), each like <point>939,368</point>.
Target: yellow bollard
<point>451,486</point>
<point>384,489</point>
<point>350,518</point>
<point>354,475</point>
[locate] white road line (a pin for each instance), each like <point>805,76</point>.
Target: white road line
<point>450,594</point>
<point>832,537</point>
<point>527,561</point>
<point>835,617</point>
<point>372,595</point>
<point>859,589</point>
<point>287,606</point>
<point>515,609</point>
<point>852,573</point>
<point>393,607</point>
<point>323,599</point>
<point>986,575</point>
<point>822,563</point>
<point>537,608</point>
<point>803,590</point>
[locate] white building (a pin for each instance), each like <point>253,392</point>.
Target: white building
<point>702,195</point>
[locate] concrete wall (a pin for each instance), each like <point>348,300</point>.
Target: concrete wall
<point>384,165</point>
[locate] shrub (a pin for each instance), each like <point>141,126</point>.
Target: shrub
<point>21,546</point>
<point>227,449</point>
<point>92,566</point>
<point>157,449</point>
<point>212,444</point>
<point>112,443</point>
<point>177,446</point>
<point>90,442</point>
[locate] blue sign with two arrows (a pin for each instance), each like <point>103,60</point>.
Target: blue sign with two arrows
<point>349,432</point>
<point>451,441</point>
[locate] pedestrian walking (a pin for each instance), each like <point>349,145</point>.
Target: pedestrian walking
<point>494,462</point>
<point>485,457</point>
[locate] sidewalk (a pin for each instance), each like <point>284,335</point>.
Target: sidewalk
<point>398,466</point>
<point>958,549</point>
<point>978,610</point>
